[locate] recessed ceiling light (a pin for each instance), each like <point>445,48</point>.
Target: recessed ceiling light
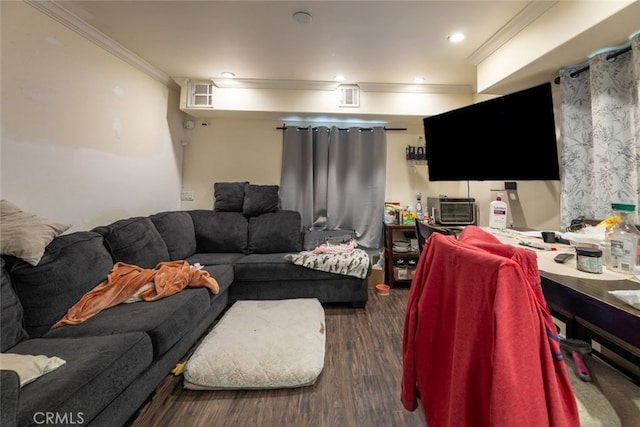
<point>339,78</point>
<point>228,74</point>
<point>456,37</point>
<point>302,17</point>
<point>419,80</point>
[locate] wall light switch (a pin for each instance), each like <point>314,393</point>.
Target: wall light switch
<point>186,196</point>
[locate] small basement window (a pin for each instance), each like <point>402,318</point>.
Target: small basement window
<point>201,95</point>
<point>349,96</point>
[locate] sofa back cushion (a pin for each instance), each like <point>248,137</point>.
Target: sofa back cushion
<point>274,232</point>
<point>134,241</point>
<point>11,314</point>
<point>71,266</point>
<point>220,231</point>
<point>178,233</point>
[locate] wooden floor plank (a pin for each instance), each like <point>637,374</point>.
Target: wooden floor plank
<point>359,384</point>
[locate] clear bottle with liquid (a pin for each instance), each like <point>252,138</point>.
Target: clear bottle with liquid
<point>623,239</point>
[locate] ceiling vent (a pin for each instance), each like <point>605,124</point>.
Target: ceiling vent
<point>349,96</point>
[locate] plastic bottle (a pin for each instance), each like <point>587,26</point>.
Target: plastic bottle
<point>624,238</point>
<point>498,213</point>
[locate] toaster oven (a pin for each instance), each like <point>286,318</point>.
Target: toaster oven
<point>452,211</point>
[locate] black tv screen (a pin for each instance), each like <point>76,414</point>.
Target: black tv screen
<point>512,137</point>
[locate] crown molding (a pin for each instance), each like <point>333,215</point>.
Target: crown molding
<point>57,11</point>
<point>180,81</point>
<point>526,16</point>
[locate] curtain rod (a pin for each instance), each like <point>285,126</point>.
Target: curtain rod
<point>586,67</point>
<point>284,127</point>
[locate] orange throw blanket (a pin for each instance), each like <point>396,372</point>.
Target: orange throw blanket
<point>125,280</point>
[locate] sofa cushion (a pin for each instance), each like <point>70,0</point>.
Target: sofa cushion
<point>25,235</point>
<point>229,196</point>
<point>72,265</point>
<point>134,241</point>
<point>177,231</point>
<point>275,232</point>
<point>220,231</point>
<point>166,320</point>
<point>223,273</point>
<point>96,371</point>
<point>11,313</point>
<point>276,267</point>
<point>259,199</point>
<point>212,258</point>
<point>9,398</point>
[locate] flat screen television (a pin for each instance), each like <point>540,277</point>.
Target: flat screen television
<point>512,137</point>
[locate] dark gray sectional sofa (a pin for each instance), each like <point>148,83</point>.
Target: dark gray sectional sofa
<point>115,359</point>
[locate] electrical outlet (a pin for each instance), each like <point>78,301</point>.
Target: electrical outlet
<point>186,196</point>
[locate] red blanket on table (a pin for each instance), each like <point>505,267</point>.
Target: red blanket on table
<point>125,280</point>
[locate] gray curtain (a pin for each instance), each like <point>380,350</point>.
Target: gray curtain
<point>338,173</point>
<point>600,130</point>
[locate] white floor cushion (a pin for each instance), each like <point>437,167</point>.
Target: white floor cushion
<point>261,345</point>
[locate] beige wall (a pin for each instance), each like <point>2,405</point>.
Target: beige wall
<point>239,150</point>
<point>230,150</point>
<point>86,138</point>
<point>539,200</point>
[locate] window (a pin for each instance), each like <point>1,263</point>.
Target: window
<point>200,95</point>
<point>349,96</point>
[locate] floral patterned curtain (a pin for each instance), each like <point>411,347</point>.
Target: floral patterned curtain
<point>600,130</point>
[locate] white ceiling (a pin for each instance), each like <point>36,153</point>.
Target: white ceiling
<point>367,41</point>
<point>376,42</point>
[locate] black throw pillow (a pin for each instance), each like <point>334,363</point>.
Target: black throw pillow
<point>260,199</point>
<point>229,196</point>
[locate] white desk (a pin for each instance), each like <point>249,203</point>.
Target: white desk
<point>582,300</point>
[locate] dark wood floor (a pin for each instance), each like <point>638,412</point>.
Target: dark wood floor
<point>359,385</point>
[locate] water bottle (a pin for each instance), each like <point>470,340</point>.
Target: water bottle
<point>419,203</point>
<point>623,240</point>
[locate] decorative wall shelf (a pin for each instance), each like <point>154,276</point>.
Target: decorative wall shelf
<point>416,152</point>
